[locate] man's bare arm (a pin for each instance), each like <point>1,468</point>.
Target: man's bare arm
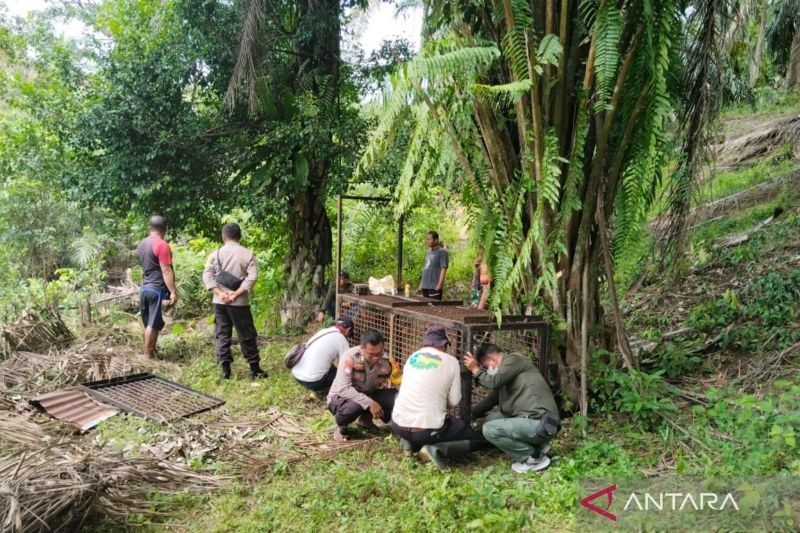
<point>169,279</point>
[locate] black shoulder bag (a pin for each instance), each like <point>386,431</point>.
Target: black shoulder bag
<point>294,355</point>
<point>226,279</point>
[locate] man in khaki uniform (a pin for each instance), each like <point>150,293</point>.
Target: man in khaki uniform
<point>230,273</point>
<point>356,394</point>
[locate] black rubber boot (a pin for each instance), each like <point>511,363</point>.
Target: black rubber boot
<point>407,447</point>
<point>256,372</point>
<point>225,371</point>
<point>438,452</point>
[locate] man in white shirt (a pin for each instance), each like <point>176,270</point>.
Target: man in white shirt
<point>431,385</point>
<point>317,368</point>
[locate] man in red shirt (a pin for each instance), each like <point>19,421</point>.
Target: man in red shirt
<point>158,281</point>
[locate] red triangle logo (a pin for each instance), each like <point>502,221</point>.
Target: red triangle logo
<point>608,492</point>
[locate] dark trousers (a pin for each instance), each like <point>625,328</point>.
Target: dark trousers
<point>453,429</point>
<point>432,294</point>
<point>347,411</point>
<point>227,317</point>
<point>322,385</point>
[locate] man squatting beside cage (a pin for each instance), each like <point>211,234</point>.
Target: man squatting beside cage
<point>316,370</point>
<point>526,417</point>
<point>431,385</point>
<point>356,394</point>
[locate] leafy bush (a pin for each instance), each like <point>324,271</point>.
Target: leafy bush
<point>761,311</point>
<point>641,395</point>
<point>711,315</point>
<point>675,360</point>
<point>189,263</point>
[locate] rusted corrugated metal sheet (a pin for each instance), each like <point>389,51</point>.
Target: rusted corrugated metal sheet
<point>74,406</point>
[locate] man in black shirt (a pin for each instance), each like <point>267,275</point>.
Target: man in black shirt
<point>158,281</point>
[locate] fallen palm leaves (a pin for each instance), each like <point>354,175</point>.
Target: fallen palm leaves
<point>24,370</point>
<point>51,479</point>
<point>35,330</point>
<point>253,467</point>
<point>255,446</point>
<point>57,483</point>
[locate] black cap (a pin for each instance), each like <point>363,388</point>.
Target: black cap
<point>344,322</point>
<point>435,336</point>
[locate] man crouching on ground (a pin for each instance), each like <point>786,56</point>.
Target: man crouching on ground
<point>527,415</point>
<point>317,368</point>
<point>432,384</point>
<point>356,394</point>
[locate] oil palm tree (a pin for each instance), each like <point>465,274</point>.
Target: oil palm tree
<point>551,119</point>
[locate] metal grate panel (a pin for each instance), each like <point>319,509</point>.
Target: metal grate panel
<point>153,397</point>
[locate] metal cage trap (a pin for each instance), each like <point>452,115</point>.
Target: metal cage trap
<point>404,320</point>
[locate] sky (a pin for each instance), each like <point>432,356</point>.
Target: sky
<point>382,25</point>
<point>378,25</point>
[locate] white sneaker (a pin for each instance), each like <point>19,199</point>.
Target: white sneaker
<point>531,464</point>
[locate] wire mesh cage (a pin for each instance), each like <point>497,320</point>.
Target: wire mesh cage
<point>404,320</point>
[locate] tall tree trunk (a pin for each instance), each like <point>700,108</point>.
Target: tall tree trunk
<point>758,52</point>
<point>309,251</point>
<point>793,69</point>
<point>310,242</point>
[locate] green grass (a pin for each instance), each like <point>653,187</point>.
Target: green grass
<point>382,489</point>
<point>769,102</point>
<point>730,182</point>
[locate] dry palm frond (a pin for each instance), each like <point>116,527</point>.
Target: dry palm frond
<point>247,56</point>
<point>19,432</point>
<point>96,364</point>
<point>291,442</point>
<point>36,330</point>
<point>56,484</point>
<point>6,400</point>
<point>24,367</point>
<point>702,81</point>
<point>24,371</point>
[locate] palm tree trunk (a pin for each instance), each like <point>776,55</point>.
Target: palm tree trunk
<point>758,52</point>
<point>310,241</point>
<point>793,70</point>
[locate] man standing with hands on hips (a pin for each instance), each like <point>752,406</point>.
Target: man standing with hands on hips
<point>158,282</point>
<point>435,269</point>
<point>230,273</point>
